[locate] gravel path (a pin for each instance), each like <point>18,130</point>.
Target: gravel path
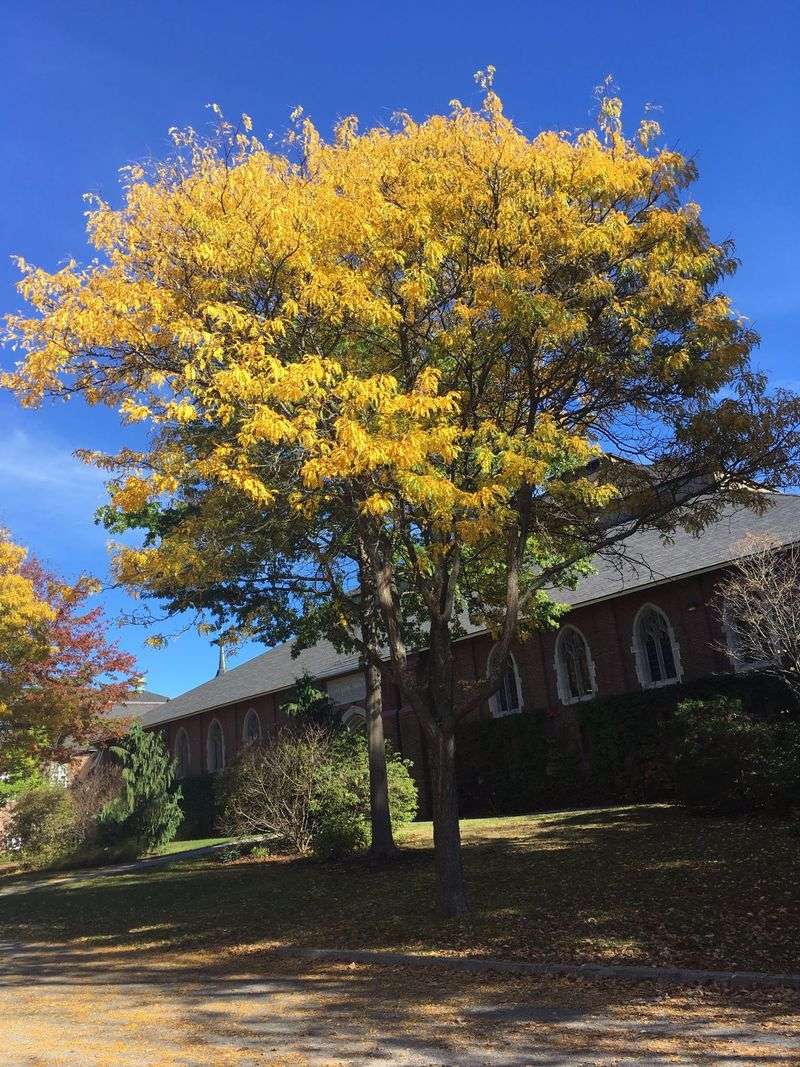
<point>100,1005</point>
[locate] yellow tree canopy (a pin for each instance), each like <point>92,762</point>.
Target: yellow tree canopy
<point>441,316</point>
<point>24,615</point>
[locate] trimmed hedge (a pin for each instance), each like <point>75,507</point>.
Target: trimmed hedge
<point>515,764</point>
<point>502,765</point>
<point>199,806</point>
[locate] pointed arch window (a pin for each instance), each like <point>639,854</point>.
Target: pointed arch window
<point>574,666</point>
<point>355,718</point>
<point>183,754</point>
<point>508,698</point>
<point>655,648</point>
<point>251,731</point>
<point>215,748</point>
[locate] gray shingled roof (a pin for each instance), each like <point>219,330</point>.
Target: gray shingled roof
<point>649,561</point>
<point>137,706</point>
<point>267,673</point>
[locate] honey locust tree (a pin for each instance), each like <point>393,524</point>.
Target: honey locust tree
<point>494,355</point>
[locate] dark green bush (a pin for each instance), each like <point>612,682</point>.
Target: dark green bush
<point>623,751</point>
<point>625,744</point>
<point>147,812</point>
<point>199,804</point>
<point>502,764</point>
<point>727,761</point>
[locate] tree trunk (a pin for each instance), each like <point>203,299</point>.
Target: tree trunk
<point>446,830</point>
<point>383,844</point>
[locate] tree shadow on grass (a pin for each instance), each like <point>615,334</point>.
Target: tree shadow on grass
<point>639,886</point>
<point>643,885</point>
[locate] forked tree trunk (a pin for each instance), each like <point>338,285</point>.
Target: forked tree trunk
<point>446,830</point>
<point>383,844</point>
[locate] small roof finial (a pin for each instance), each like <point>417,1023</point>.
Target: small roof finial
<point>222,665</point>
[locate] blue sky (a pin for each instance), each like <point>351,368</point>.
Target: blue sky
<point>89,87</point>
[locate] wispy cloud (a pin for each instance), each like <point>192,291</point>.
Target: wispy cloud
<point>27,463</point>
<point>48,499</point>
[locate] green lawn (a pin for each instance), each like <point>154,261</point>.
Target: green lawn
<point>187,846</point>
<point>634,885</point>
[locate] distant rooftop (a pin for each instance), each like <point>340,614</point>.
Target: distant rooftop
<point>138,705</point>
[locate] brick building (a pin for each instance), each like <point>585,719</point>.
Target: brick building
<point>649,622</point>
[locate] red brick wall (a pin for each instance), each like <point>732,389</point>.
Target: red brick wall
<point>607,627</point>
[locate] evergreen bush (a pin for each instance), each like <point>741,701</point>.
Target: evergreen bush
<point>147,812</point>
<point>625,750</point>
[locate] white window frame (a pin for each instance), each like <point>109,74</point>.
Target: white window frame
<point>182,734</point>
<point>214,770</point>
<point>640,653</point>
<point>251,740</point>
<point>494,700</point>
<point>562,674</point>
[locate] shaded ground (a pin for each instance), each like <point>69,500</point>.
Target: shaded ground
<point>644,885</point>
<point>175,967</point>
<point>107,1006</point>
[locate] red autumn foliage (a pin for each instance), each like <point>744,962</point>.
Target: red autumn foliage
<point>62,700</point>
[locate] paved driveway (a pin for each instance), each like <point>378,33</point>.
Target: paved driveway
<point>108,1006</point>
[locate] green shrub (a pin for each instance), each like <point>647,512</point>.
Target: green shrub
<point>624,751</point>
<point>146,813</point>
<point>403,793</point>
<point>342,803</point>
<point>626,747</point>
<point>229,854</point>
<point>339,831</point>
<point>785,761</point>
<point>199,802</point>
<point>502,764</point>
<point>13,786</point>
<point>727,761</point>
<point>309,788</point>
<point>44,827</point>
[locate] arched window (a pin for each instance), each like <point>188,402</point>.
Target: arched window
<point>655,648</point>
<point>507,700</point>
<point>355,718</point>
<point>251,732</point>
<point>183,754</point>
<point>574,666</point>
<point>215,748</point>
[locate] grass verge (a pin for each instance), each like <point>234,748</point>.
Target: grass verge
<point>644,885</point>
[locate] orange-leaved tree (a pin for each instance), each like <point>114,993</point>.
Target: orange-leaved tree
<point>491,355</point>
<point>59,674</point>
